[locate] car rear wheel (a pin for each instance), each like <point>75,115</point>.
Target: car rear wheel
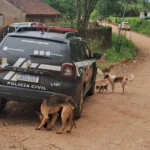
<point>3,103</point>
<point>79,102</point>
<point>91,91</point>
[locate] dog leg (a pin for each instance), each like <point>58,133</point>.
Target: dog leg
<point>45,119</point>
<point>41,118</point>
<point>71,122</point>
<point>64,116</point>
<point>106,89</point>
<point>99,90</point>
<point>123,86</point>
<point>103,90</point>
<point>54,118</point>
<point>63,126</point>
<point>113,86</point>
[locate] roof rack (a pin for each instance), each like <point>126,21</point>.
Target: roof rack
<point>56,28</point>
<point>69,32</point>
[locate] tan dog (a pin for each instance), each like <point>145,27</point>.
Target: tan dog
<point>52,106</point>
<point>115,79</point>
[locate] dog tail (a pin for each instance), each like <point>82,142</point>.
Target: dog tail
<point>131,78</point>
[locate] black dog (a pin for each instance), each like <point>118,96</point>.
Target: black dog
<point>102,87</point>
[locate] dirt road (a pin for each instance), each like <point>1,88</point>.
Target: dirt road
<point>110,121</point>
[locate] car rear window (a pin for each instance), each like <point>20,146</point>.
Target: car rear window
<point>35,45</point>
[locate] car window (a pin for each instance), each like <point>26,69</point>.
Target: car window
<point>34,46</point>
<point>87,50</point>
<point>33,24</point>
<point>75,53</point>
<point>82,49</point>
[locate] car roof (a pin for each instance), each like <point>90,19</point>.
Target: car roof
<point>41,35</point>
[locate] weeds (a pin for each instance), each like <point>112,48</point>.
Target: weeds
<point>121,48</point>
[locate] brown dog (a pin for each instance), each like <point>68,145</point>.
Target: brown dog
<point>52,106</point>
<point>115,79</point>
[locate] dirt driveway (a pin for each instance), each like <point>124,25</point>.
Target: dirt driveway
<point>110,121</point>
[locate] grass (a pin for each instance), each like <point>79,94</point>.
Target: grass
<point>121,48</point>
<point>137,25</point>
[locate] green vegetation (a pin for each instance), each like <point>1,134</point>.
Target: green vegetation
<point>120,49</point>
<point>137,25</point>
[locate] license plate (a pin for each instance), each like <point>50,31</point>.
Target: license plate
<point>28,78</point>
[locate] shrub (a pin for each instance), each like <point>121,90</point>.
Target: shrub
<point>121,48</point>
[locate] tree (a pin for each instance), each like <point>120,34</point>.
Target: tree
<point>65,7</point>
<point>84,9</point>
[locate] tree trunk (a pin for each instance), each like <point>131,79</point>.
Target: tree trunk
<point>78,12</point>
<point>87,7</point>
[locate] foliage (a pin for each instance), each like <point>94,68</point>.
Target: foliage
<point>126,49</point>
<point>137,25</point>
<point>120,49</point>
<point>84,8</point>
<point>140,26</point>
<point>66,8</point>
<point>106,8</point>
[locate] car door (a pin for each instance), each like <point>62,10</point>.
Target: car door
<point>85,57</point>
<point>91,64</point>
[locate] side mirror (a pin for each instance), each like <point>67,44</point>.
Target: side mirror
<point>97,56</point>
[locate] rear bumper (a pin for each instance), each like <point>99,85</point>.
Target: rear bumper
<point>23,94</point>
<point>33,96</point>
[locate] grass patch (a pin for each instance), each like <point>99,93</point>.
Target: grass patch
<point>137,25</point>
<point>121,48</point>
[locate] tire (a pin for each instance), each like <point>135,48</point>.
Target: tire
<point>79,102</point>
<point>3,103</point>
<point>91,91</point>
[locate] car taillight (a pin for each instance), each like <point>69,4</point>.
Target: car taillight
<point>68,70</point>
<point>1,68</point>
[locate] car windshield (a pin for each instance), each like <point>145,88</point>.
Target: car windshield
<point>34,46</point>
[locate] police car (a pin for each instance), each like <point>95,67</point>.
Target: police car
<point>35,64</point>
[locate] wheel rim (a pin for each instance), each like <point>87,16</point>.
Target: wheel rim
<point>81,101</point>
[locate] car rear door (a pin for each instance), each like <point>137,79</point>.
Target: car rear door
<point>86,63</point>
<point>33,63</point>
